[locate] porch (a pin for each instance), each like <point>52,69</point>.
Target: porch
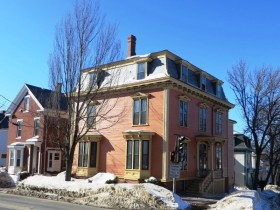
<point>210,179</point>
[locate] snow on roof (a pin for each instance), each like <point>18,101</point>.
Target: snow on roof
<point>139,56</point>
<point>17,144</point>
<point>32,139</point>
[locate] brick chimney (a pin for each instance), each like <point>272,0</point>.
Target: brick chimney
<point>58,87</point>
<point>131,46</point>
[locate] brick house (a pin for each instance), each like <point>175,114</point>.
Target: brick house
<point>30,144</point>
<point>164,97</point>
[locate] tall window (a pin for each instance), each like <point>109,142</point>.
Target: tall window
<point>15,157</point>
<point>133,155</point>
<point>184,73</point>
<point>183,113</point>
<point>145,155</point>
<point>36,126</point>
<point>218,156</point>
<point>219,120</point>
<point>141,71</point>
<point>26,103</point>
<point>202,118</point>
<point>87,154</point>
<point>91,116</point>
<point>83,154</point>
<point>140,111</point>
<point>19,128</point>
<point>12,157</point>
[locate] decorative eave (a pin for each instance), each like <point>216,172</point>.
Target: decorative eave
<point>138,134</point>
<point>92,137</point>
<point>186,88</point>
<point>166,82</point>
<point>210,139</point>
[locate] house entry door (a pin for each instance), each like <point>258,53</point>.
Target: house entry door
<point>202,167</point>
<point>54,161</point>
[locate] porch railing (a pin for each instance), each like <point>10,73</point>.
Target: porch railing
<point>217,174</point>
<point>205,183</point>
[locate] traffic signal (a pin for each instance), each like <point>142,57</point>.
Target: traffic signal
<point>172,156</point>
<point>181,142</point>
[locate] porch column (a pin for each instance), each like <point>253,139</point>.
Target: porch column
<point>39,160</point>
<point>29,159</point>
<point>212,155</point>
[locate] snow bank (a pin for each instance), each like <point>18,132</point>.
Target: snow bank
<point>249,199</point>
<point>102,178</point>
<point>5,179</point>
<point>96,193</point>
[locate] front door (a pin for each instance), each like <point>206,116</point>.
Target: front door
<point>202,165</point>
<point>54,161</point>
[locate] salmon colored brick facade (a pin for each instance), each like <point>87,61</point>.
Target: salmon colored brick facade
<point>176,99</point>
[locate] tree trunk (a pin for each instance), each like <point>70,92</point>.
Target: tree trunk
<point>69,163</point>
<point>256,178</point>
<point>68,169</point>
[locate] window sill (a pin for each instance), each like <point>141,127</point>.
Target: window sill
<point>19,137</point>
<point>140,125</point>
<point>86,171</point>
<point>136,174</point>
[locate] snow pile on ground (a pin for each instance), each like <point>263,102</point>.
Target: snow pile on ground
<point>102,178</point>
<point>249,199</point>
<point>96,193</point>
<point>5,179</point>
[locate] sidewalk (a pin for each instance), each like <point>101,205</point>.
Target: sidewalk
<point>200,202</point>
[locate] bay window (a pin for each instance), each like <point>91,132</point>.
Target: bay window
<point>138,151</point>
<point>88,155</point>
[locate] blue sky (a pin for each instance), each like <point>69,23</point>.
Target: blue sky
<point>213,35</point>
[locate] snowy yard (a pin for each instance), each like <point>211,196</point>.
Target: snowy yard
<point>96,192</point>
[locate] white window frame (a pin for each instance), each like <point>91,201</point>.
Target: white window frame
<point>26,106</point>
<point>35,119</point>
<point>145,70</point>
<point>21,123</point>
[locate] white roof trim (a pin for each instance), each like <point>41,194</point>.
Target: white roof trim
<point>21,94</point>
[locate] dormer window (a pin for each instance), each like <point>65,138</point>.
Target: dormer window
<point>141,71</point>
<point>219,90</point>
<point>203,83</point>
<point>26,103</point>
<point>184,73</point>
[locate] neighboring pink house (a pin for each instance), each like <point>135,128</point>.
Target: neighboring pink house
<point>165,97</point>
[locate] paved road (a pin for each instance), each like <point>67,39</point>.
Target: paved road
<point>16,202</point>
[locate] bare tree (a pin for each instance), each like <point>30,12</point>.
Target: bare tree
<point>272,154</point>
<point>258,95</point>
<point>84,44</point>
